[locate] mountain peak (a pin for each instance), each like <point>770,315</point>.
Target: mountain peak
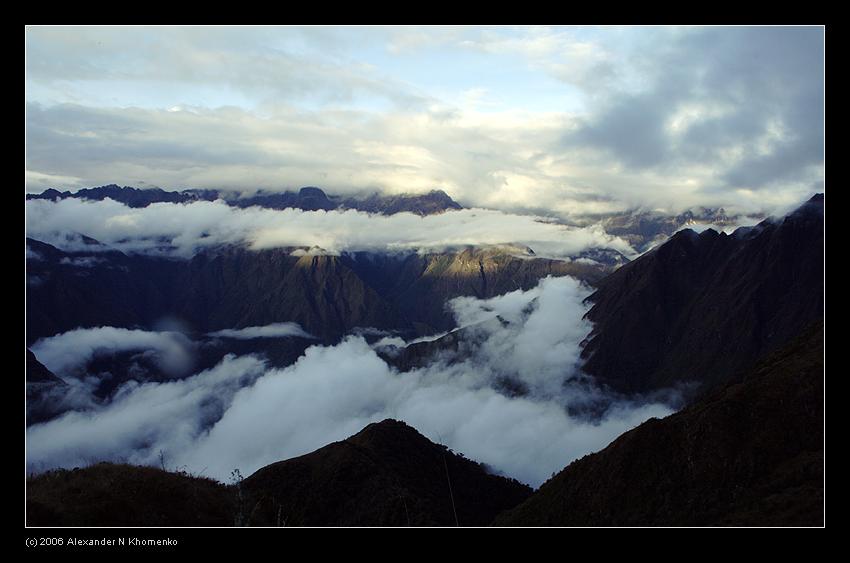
<point>312,191</point>
<point>387,431</point>
<point>389,474</point>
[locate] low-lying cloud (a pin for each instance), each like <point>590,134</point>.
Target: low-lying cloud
<point>274,330</point>
<point>243,415</point>
<point>182,229</point>
<point>66,352</point>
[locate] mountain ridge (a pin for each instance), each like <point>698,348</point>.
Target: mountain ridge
<point>309,198</point>
<point>702,307</point>
<point>234,287</point>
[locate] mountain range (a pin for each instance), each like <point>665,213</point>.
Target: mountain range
<point>234,287</point>
<point>641,228</point>
<point>644,229</point>
<point>308,198</point>
<point>734,321</point>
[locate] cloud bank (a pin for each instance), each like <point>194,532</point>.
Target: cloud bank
<point>242,415</point>
<point>182,229</point>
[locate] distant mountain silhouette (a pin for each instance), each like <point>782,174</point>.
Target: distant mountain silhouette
<point>702,307</point>
<point>308,198</point>
<point>642,229</point>
<point>748,455</point>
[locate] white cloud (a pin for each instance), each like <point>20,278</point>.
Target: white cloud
<point>141,420</point>
<point>66,352</point>
<point>202,224</point>
<point>274,330</point>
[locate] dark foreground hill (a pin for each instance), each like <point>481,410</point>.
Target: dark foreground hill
<point>702,308</point>
<point>109,494</point>
<point>386,475</point>
<point>749,455</point>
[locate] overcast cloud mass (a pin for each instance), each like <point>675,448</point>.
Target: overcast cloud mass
<point>566,120</point>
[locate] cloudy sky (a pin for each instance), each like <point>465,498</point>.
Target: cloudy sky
<point>563,120</point>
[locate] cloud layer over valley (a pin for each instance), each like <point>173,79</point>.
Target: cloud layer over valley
<point>182,229</point>
<point>511,397</point>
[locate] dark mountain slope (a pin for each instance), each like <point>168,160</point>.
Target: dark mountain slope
<point>703,307</point>
<point>234,287</point>
<point>750,454</point>
<point>124,495</point>
<point>66,290</point>
<point>38,372</point>
<point>42,389</point>
<point>386,475</point>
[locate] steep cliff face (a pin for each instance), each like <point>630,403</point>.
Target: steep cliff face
<point>750,455</point>
<point>704,306</point>
<point>422,284</point>
<point>237,288</point>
